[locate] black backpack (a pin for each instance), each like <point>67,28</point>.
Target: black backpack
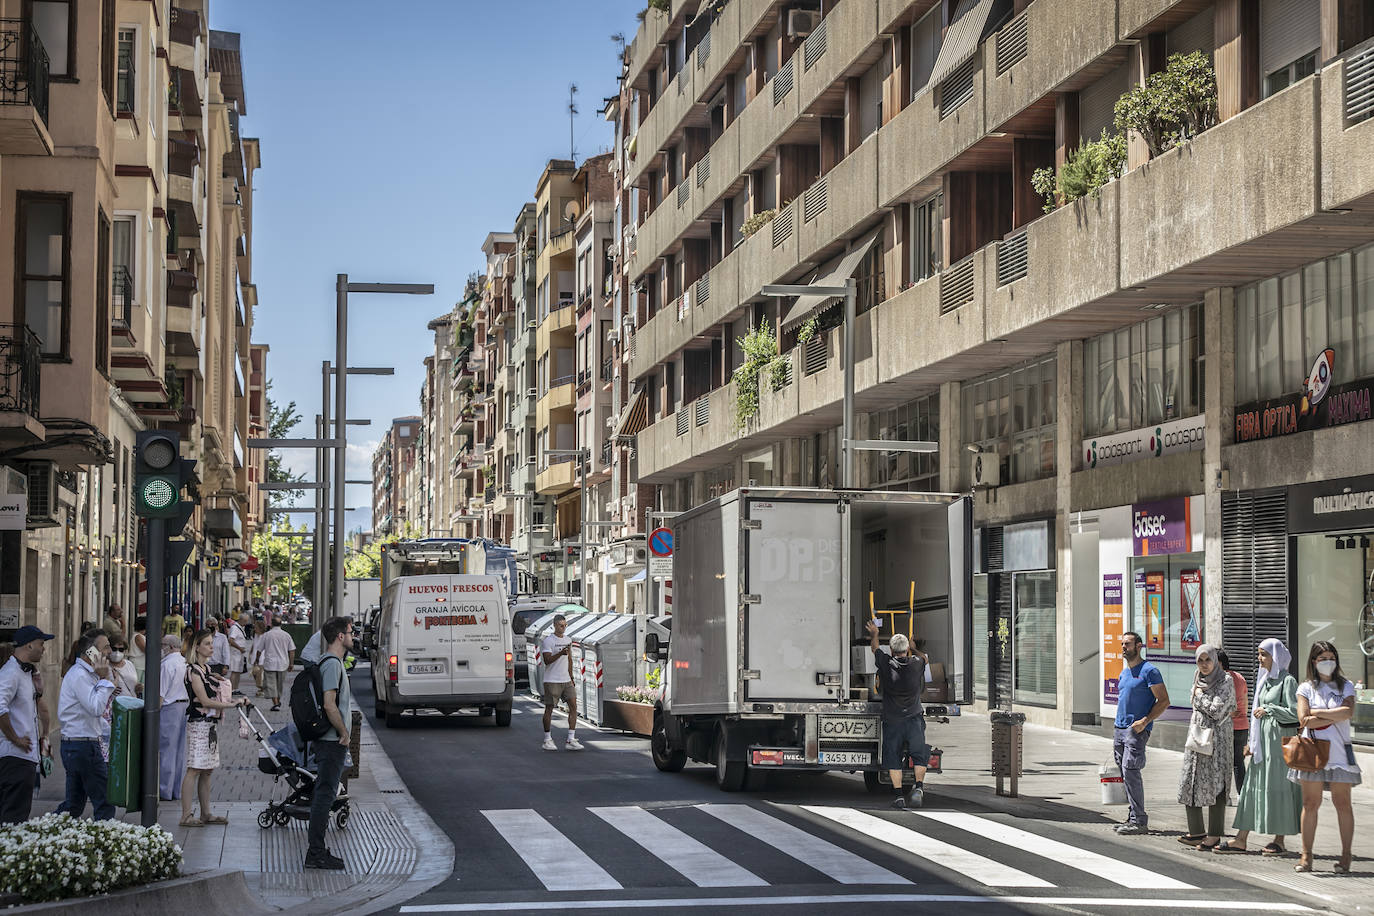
<point>307,703</point>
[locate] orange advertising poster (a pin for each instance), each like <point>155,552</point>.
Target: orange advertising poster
<point>1154,610</point>
<point>1113,626</point>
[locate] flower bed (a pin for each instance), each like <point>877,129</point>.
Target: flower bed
<point>57,856</point>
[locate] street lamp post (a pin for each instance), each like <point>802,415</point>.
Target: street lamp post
<point>342,288</point>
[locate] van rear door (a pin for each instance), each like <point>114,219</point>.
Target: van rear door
<point>425,663</point>
<point>477,627</point>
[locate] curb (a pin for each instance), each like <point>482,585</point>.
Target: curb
<point>205,893</point>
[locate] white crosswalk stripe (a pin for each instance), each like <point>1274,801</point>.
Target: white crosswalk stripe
<point>822,855</point>
<point>940,854</point>
<point>690,858</point>
<point>554,859</point>
<point>1094,863</point>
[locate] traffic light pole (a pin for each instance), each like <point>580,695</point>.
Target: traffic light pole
<point>156,545</point>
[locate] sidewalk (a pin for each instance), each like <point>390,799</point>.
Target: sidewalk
<point>381,845</point>
<point>1060,783</point>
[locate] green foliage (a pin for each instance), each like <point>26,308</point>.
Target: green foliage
<point>756,222</point>
<point>57,856</point>
<point>809,329</point>
<point>663,6</point>
<point>365,563</point>
<point>1087,169</point>
<point>275,554</point>
<point>1174,105</point>
<point>760,346</point>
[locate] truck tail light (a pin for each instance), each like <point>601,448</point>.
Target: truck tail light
<point>391,667</point>
<point>769,758</point>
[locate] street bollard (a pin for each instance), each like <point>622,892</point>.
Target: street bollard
<point>1007,728</point>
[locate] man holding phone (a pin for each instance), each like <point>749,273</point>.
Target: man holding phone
<point>556,650</point>
<point>86,691</point>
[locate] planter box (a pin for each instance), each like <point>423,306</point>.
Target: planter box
<point>631,717</point>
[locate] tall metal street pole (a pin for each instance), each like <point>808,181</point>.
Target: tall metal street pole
<point>582,533</point>
<point>340,433</point>
<point>152,700</point>
<point>851,298</point>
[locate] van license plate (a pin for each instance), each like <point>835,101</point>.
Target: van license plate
<point>424,669</point>
<point>846,758</point>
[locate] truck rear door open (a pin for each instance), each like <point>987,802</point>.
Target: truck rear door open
<point>795,635</point>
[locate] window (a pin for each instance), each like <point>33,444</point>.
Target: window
<point>927,238</point>
<point>1011,414</point>
<point>54,22</point>
<point>871,279</point>
<point>917,420</point>
<point>124,96</point>
<point>107,52</point>
<point>102,298</point>
<point>1287,75</point>
<point>44,227</point>
<point>1283,323</point>
<point>123,259</point>
<point>1147,373</point>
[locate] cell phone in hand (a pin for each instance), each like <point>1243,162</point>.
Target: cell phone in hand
<point>92,656</point>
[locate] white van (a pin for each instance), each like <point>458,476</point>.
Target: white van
<point>444,642</point>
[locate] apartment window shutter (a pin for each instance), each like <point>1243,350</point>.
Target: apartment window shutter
<point>1289,29</point>
<point>1097,102</point>
<point>1194,35</point>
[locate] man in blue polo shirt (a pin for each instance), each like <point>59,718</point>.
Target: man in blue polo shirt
<point>1141,698</point>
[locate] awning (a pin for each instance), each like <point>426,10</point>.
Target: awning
<point>806,306</point>
<point>962,37</point>
<point>637,577</point>
<point>634,418</point>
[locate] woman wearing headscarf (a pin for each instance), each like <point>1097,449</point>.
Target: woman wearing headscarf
<point>1205,780</point>
<point>1269,802</point>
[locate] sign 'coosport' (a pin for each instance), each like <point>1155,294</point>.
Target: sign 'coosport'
<point>1156,441</point>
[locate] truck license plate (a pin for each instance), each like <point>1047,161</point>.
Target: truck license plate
<point>424,669</point>
<point>846,758</point>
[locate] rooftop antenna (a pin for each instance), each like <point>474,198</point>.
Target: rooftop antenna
<point>572,115</point>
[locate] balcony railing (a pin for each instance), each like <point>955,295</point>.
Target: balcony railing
<point>122,299</point>
<point>607,369</point>
<point>23,66</point>
<point>20,369</point>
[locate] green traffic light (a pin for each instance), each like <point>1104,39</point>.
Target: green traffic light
<point>158,493</point>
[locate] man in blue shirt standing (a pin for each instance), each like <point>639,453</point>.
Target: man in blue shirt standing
<point>1141,698</point>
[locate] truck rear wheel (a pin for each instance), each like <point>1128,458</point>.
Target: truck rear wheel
<point>872,783</point>
<point>393,718</point>
<point>378,709</point>
<point>665,758</point>
<point>730,774</point>
<point>503,716</point>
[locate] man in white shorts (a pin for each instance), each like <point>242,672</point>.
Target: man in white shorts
<point>555,651</point>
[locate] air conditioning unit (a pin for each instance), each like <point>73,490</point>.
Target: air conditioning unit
<point>985,470</point>
<point>640,554</point>
<point>801,23</point>
<point>531,325</point>
<point>15,483</point>
<point>531,392</point>
<point>43,507</point>
<point>612,335</point>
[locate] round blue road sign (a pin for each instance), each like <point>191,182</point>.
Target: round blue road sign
<point>661,542</point>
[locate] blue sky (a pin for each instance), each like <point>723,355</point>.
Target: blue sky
<point>395,136</point>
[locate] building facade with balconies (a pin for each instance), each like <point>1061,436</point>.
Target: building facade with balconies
<point>1162,348</point>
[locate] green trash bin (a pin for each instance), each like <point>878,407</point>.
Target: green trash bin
<point>300,634</point>
<point>126,753</point>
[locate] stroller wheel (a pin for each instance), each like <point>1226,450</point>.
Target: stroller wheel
<point>265,818</point>
<point>283,818</point>
<point>341,819</point>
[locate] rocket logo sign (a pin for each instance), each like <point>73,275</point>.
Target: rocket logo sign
<point>1318,381</point>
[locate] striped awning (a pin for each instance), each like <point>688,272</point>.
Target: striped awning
<point>962,37</point>
<point>634,418</point>
<point>806,306</point>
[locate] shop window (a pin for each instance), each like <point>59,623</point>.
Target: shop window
<point>1334,593</point>
<point>1166,610</point>
<point>1150,372</point>
<point>1034,652</point>
<point>917,420</point>
<point>1011,414</point>
<point>1284,323</point>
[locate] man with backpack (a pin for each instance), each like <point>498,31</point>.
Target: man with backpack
<point>330,747</point>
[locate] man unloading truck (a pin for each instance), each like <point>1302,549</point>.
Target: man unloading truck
<point>901,676</point>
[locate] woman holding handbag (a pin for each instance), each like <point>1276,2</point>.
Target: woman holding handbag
<point>1326,701</point>
<point>1205,780</point>
<point>1269,803</point>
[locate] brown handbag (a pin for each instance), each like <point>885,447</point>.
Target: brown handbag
<point>1305,754</point>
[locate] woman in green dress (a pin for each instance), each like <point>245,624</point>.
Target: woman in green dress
<point>1269,801</point>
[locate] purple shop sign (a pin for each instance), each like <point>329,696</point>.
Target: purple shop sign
<point>1162,527</point>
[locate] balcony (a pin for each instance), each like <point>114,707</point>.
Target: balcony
<point>23,91</point>
<point>560,396</point>
<point>20,378</point>
<point>128,80</point>
<point>122,304</point>
<point>557,478</point>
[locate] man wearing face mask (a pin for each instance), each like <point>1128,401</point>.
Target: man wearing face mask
<point>21,734</point>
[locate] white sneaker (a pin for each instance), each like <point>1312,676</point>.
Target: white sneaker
<point>549,745</point>
<point>573,744</point>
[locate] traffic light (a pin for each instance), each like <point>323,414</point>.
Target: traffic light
<point>159,474</point>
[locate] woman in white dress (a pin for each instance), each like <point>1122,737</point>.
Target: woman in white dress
<point>1326,701</point>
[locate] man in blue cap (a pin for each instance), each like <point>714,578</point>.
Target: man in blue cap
<point>21,738</point>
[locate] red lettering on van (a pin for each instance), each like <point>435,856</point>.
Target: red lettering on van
<point>450,620</point>
<point>429,589</point>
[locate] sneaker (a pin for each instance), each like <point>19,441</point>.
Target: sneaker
<point>1132,829</point>
<point>918,795</point>
<point>549,745</point>
<point>325,860</point>
<point>573,744</point>
<point>899,803</point>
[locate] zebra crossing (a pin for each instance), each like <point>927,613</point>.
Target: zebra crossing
<point>846,846</point>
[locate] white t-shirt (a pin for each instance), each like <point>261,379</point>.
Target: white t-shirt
<point>1328,696</point>
<point>236,655</point>
<point>557,673</point>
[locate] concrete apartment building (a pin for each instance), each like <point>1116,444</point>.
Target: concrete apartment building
<point>1158,395</point>
<point>129,194</point>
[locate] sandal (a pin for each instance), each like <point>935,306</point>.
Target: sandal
<point>1192,839</point>
<point>1273,849</point>
<point>216,819</point>
<point>1343,866</point>
<point>191,821</point>
<point>1209,847</point>
<point>1304,864</point>
<point>1226,846</point>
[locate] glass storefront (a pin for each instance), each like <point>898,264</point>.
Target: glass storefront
<point>1334,590</point>
<point>1166,610</point>
<point>1015,604</point>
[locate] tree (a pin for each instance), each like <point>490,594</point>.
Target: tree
<point>281,421</point>
<point>293,573</point>
<point>365,563</point>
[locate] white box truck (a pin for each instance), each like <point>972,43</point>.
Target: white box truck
<point>767,665</point>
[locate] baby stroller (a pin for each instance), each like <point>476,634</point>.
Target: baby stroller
<point>282,754</point>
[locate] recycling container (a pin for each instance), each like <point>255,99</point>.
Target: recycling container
<point>126,753</point>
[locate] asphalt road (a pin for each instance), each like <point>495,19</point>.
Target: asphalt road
<point>602,830</point>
